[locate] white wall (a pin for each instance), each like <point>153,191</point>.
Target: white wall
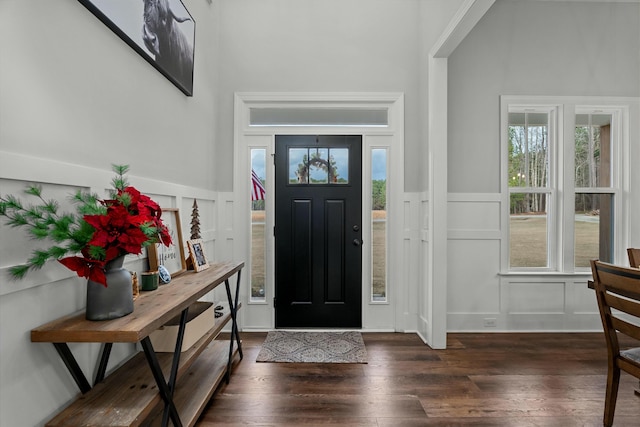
<point>331,46</point>
<point>74,98</point>
<point>526,48</point>
<point>532,48</point>
<point>73,91</point>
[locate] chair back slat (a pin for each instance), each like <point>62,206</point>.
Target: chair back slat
<point>625,305</point>
<point>616,279</point>
<point>625,327</point>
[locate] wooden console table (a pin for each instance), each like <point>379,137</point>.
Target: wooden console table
<point>135,393</point>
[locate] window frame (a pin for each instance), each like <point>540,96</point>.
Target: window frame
<point>562,190</point>
<point>616,141</point>
<point>267,221</point>
<point>550,190</point>
<point>367,209</point>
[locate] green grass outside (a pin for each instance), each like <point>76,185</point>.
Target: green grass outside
<point>529,244</point>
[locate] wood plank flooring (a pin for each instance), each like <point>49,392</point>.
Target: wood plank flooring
<point>537,379</point>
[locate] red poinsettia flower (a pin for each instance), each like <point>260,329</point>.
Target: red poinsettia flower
<point>86,267</point>
<point>117,229</point>
<point>141,204</point>
<point>119,232</point>
<point>145,211</point>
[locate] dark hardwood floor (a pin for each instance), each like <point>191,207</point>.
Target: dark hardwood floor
<point>533,379</point>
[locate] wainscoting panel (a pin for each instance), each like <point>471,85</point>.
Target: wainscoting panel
<point>474,286</point>
<point>481,299</point>
<point>584,299</point>
<point>533,297</point>
<point>480,213</point>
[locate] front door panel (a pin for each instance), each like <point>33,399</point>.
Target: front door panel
<point>318,231</point>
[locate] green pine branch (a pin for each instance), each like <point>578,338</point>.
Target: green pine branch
<point>18,271</point>
<point>69,232</point>
<point>151,231</point>
<point>42,221</point>
<point>119,182</point>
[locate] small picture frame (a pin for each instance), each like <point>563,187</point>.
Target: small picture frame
<point>172,257</point>
<point>198,257</point>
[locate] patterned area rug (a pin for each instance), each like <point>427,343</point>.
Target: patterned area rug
<point>313,347</point>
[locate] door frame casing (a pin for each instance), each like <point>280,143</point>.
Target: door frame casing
<point>391,315</point>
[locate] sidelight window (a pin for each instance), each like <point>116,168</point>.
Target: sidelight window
<point>258,225</point>
<point>379,224</point>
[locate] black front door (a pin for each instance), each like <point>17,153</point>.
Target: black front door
<point>318,232</point>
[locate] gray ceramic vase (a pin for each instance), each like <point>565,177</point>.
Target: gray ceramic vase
<point>116,299</point>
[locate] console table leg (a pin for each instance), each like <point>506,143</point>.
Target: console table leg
<point>72,366</point>
<point>235,313</point>
<point>163,388</point>
<point>176,363</point>
<point>233,308</point>
<point>104,361</point>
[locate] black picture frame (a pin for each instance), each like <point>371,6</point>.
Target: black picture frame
<point>127,20</point>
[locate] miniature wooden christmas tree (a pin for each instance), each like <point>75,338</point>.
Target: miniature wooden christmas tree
<point>195,221</point>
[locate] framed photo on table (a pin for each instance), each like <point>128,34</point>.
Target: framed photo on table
<point>198,257</point>
<point>172,257</point>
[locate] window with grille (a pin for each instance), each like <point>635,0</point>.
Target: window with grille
<point>563,178</point>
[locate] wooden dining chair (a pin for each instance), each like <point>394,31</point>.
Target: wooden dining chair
<point>618,288</point>
<point>634,257</point>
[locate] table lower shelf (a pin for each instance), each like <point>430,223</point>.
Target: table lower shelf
<point>129,396</point>
<point>198,385</point>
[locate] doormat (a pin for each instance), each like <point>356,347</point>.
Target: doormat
<point>313,347</point>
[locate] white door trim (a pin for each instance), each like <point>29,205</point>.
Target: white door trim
<point>389,316</point>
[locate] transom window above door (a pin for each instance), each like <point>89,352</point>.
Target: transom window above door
<point>321,116</point>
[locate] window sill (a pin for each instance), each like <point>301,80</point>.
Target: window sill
<point>579,274</point>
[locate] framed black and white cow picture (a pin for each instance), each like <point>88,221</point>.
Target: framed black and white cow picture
<point>161,31</point>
